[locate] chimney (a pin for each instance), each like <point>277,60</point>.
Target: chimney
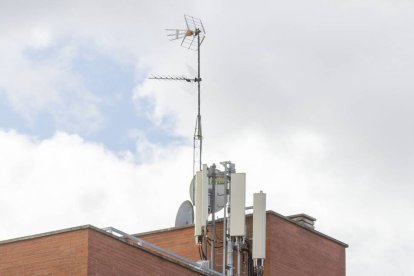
<point>303,220</point>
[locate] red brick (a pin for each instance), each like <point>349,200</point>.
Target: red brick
<point>84,251</point>
<point>291,250</point>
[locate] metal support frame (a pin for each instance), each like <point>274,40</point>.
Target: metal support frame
<point>225,231</point>
<point>238,239</point>
<point>228,242</point>
<point>258,266</point>
<point>228,266</point>
<point>205,239</point>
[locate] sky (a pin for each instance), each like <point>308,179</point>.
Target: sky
<point>311,99</point>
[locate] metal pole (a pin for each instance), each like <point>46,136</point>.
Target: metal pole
<point>225,224</point>
<point>198,133</point>
<point>238,257</point>
<point>194,146</point>
<point>230,256</point>
<point>230,262</point>
<point>224,234</point>
<point>199,94</point>
<point>205,239</point>
<point>227,239</point>
<point>213,213</point>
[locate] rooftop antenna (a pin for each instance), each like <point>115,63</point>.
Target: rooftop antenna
<point>191,38</point>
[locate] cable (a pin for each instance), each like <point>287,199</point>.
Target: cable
<point>209,243</point>
<point>203,257</point>
<point>217,236</point>
<point>199,251</point>
<point>250,268</point>
<point>208,238</point>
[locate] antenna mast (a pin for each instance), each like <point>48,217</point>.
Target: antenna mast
<point>192,37</point>
<point>198,137</point>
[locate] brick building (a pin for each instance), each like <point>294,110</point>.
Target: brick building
<point>292,248</point>
<point>84,250</point>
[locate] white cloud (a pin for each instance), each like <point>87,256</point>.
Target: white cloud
<point>311,100</point>
<point>40,38</point>
<point>49,85</point>
<point>65,181</point>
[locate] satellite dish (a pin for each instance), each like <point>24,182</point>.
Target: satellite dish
<point>185,214</point>
<point>220,195</point>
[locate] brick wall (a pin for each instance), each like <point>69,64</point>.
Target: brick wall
<point>290,249</point>
<point>180,241</point>
<point>107,256</point>
<point>82,251</point>
<point>61,254</point>
<point>293,250</point>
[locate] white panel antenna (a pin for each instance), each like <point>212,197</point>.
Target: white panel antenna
<point>204,195</point>
<point>198,222</point>
<point>237,204</point>
<point>259,225</point>
<point>201,200</point>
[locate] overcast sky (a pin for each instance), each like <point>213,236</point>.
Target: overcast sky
<point>312,99</point>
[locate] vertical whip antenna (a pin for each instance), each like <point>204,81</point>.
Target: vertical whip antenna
<point>191,38</point>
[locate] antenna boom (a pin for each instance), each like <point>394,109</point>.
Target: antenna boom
<point>174,78</point>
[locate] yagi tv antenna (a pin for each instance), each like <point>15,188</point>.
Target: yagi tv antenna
<point>191,38</point>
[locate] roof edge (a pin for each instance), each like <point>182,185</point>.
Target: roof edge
<point>286,218</point>
<point>271,212</point>
<point>50,233</point>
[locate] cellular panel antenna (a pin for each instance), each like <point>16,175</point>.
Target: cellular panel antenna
<point>191,38</point>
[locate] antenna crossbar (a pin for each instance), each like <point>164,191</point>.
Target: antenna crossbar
<point>174,78</point>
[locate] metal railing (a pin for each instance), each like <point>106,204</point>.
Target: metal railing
<point>141,243</point>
